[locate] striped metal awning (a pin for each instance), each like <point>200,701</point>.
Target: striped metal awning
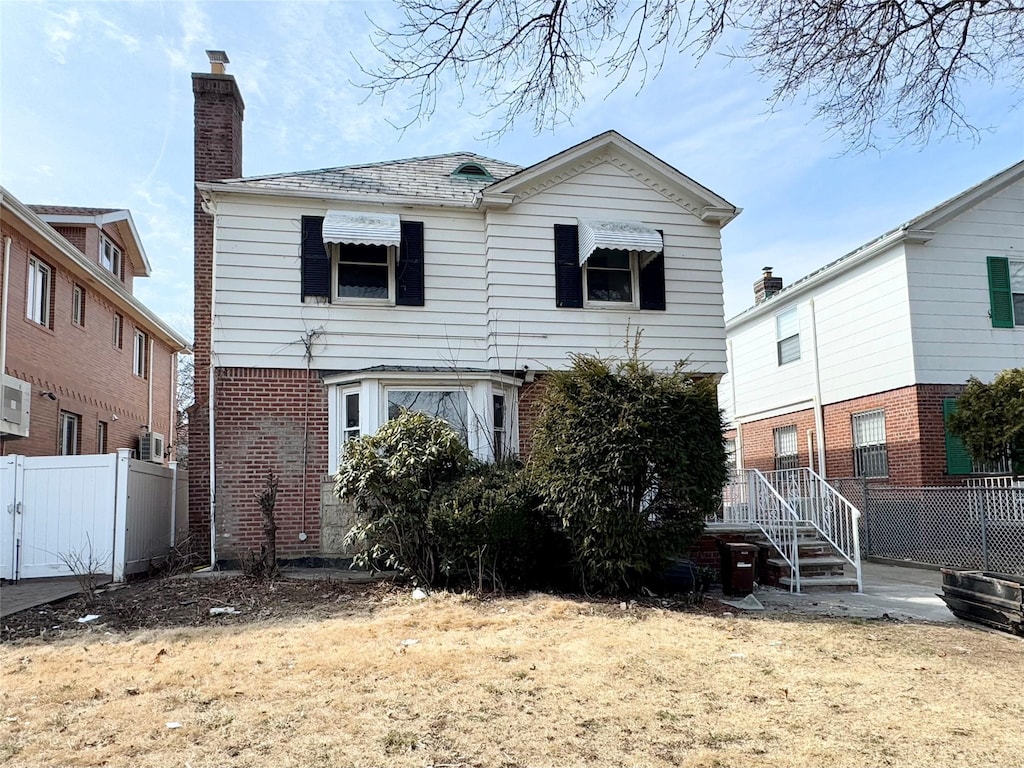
<point>618,235</point>
<point>355,228</point>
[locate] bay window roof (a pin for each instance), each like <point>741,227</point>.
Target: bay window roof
<point>617,235</point>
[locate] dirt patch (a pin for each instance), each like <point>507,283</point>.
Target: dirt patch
<point>231,600</point>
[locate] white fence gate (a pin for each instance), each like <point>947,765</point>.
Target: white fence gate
<point>106,514</point>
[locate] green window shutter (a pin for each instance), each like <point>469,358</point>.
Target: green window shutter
<point>1000,298</point>
<point>958,460</point>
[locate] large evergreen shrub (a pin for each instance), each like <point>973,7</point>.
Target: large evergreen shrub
<point>390,477</point>
<point>629,460</point>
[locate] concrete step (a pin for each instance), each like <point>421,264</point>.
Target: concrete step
<point>825,561</point>
<point>822,583</point>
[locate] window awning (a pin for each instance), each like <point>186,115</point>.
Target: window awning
<point>354,228</point>
<point>618,235</point>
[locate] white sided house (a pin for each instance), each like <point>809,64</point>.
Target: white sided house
<point>854,369</point>
<point>327,300</point>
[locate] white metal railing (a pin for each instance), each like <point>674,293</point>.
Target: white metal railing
<point>816,502</point>
<point>771,513</point>
<point>1000,481</point>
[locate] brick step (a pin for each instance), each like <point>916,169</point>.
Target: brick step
<point>822,583</point>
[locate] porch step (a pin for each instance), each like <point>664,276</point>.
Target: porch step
<point>826,561</point>
<point>822,583</point>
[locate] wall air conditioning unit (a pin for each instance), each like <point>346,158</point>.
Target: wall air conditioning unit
<point>151,447</point>
<point>17,405</point>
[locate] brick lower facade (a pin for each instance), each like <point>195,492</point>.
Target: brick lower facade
<point>914,432</point>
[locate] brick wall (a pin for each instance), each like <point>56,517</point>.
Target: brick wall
<point>263,419</point>
<point>79,364</point>
<point>74,235</point>
<point>914,432</point>
<point>759,439</point>
<point>218,117</point>
<point>529,412</point>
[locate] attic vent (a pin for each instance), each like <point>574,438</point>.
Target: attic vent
<point>472,171</point>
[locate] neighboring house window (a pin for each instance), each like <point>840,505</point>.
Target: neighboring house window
<point>78,305</point>
<point>452,405</point>
<point>787,335</point>
<point>500,447</point>
<point>349,416</point>
<point>140,354</point>
<point>610,276</point>
<point>786,452</point>
<point>1006,291</point>
<point>70,434</point>
<point>111,258</point>
<point>870,454</point>
<point>40,290</point>
<point>730,454</point>
<point>118,331</point>
<point>101,437</point>
<point>365,272</point>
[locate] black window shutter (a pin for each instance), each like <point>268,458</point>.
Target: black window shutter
<point>568,273</point>
<point>316,264</point>
<point>652,283</point>
<point>409,279</point>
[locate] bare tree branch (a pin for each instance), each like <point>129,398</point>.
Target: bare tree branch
<point>872,69</point>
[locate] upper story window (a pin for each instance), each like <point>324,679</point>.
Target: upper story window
<point>1006,291</point>
<point>141,351</point>
<point>362,258</point>
<point>118,337</point>
<point>364,272</point>
<point>609,264</point>
<point>40,293</point>
<point>787,336</point>
<point>611,276</point>
<point>1017,289</point>
<point>111,258</point>
<point>78,305</point>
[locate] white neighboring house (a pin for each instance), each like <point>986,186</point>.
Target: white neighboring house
<point>447,284</point>
<point>854,368</point>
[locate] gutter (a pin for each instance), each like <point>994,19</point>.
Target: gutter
<point>211,190</point>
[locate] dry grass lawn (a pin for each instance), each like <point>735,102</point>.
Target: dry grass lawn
<point>537,681</point>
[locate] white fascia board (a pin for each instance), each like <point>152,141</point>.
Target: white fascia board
<point>212,191</point>
<point>843,265</point>
<point>720,210</point>
<point>115,291</point>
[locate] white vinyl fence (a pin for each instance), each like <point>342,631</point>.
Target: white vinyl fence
<point>106,514</point>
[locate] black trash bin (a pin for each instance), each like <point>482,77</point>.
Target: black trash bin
<point>737,567</point>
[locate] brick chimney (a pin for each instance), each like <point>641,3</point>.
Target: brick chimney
<point>767,286</point>
<point>218,155</point>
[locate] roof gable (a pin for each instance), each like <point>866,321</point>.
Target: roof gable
<point>119,218</point>
<point>613,147</point>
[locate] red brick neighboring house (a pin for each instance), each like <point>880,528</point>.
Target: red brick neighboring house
<point>97,368</point>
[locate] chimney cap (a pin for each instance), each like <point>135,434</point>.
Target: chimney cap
<point>767,271</point>
<point>218,57</point>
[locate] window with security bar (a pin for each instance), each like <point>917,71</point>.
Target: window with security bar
<point>786,450</point>
<point>870,453</point>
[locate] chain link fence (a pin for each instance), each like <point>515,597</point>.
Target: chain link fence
<point>980,528</point>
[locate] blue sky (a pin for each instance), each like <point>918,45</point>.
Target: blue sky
<point>96,109</point>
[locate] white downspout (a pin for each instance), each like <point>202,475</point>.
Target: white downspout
<point>735,409</point>
<point>3,316</point>
<point>172,407</point>
<point>213,465</point>
<point>819,408</point>
<point>149,375</point>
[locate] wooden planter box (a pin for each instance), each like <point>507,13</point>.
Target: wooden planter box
<point>993,599</point>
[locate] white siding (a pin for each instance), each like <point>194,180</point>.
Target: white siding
<point>525,326</point>
<point>260,318</point>
<point>862,324</point>
<point>949,297</point>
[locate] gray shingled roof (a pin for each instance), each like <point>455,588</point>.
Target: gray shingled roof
<point>70,210</point>
<point>426,177</point>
